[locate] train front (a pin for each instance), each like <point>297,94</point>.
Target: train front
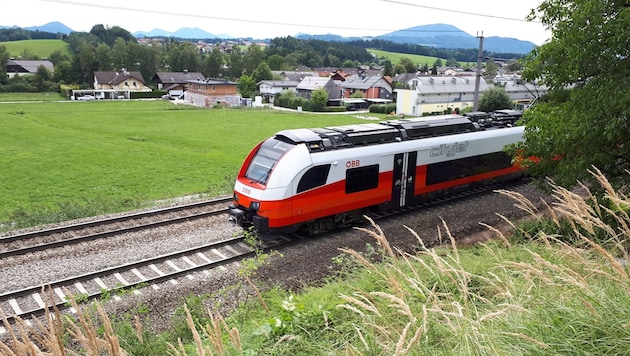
<point>263,189</point>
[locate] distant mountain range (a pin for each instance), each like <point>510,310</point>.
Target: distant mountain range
<point>435,35</point>
<point>52,27</point>
<point>441,36</point>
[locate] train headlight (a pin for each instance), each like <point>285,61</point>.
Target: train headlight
<point>235,197</point>
<point>254,205</point>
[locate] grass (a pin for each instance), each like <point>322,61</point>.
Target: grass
<point>395,58</point>
<point>65,160</point>
<point>40,48</point>
<point>529,294</point>
<point>48,96</point>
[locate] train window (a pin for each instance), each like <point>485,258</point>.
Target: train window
<point>265,160</point>
<point>314,178</point>
<point>464,167</point>
<point>361,178</point>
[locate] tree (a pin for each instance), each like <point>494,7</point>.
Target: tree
<point>103,57</point>
<point>262,72</point>
<point>184,56</point>
<point>213,63</point>
<point>119,54</point>
<point>246,86</point>
<point>388,68</point>
<point>63,72</point>
<point>319,98</point>
<point>585,120</point>
<point>491,70</point>
<point>452,62</point>
<point>4,57</point>
<point>56,57</point>
<point>235,69</point>
<point>146,59</point>
<point>410,67</point>
<point>252,58</point>
<point>495,98</point>
<point>85,61</point>
<point>276,62</point>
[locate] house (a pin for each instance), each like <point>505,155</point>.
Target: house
<point>374,86</point>
<point>123,80</point>
<point>17,67</point>
<point>524,93</point>
<point>211,92</point>
<point>294,76</point>
<point>268,89</point>
<point>306,87</point>
<point>437,94</point>
<point>175,83</point>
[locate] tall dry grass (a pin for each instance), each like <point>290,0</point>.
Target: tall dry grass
<point>62,334</point>
<point>561,299</point>
<point>88,333</point>
<point>547,295</point>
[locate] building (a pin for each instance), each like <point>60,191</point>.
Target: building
<point>370,86</point>
<point>268,89</point>
<point>306,87</point>
<point>437,95</point>
<point>175,83</point>
<point>17,67</point>
<point>122,80</point>
<point>211,92</point>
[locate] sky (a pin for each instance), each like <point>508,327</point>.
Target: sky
<point>281,18</point>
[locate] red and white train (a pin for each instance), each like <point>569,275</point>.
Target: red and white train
<point>314,180</point>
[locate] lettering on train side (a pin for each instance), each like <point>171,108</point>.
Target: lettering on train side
<point>449,150</point>
<point>353,163</point>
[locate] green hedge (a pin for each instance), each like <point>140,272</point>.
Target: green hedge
<point>147,94</point>
<point>382,108</point>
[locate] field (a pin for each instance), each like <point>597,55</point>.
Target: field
<point>39,48</point>
<point>416,59</point>
<point>64,160</point>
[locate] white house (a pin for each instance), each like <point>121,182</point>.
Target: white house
<point>268,89</point>
<point>437,94</point>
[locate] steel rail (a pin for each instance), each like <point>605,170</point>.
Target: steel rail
<point>99,235</point>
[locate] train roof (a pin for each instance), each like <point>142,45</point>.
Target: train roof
<point>338,137</point>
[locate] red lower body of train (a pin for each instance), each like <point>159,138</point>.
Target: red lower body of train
<point>291,183</point>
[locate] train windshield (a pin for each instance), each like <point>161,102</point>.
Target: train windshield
<point>265,160</point>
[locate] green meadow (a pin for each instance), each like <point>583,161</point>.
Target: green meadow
<point>420,60</point>
<point>64,160</point>
<point>39,48</point>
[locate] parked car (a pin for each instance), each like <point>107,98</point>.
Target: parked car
<point>87,98</point>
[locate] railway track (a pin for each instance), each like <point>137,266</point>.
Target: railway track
<point>45,239</point>
<point>32,301</point>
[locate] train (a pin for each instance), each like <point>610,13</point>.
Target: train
<point>311,180</point>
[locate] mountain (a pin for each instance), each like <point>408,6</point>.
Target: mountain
<point>52,27</point>
<point>440,36</point>
<point>448,36</point>
<point>186,32</point>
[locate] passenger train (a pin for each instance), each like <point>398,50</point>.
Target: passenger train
<point>309,181</point>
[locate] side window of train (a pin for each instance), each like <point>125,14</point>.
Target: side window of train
<point>314,178</point>
<point>361,178</point>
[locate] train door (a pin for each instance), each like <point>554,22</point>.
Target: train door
<point>404,178</point>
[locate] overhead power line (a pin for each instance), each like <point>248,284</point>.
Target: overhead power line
<point>458,11</point>
<point>264,22</point>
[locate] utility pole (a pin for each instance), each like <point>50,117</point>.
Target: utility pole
<point>478,79</point>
